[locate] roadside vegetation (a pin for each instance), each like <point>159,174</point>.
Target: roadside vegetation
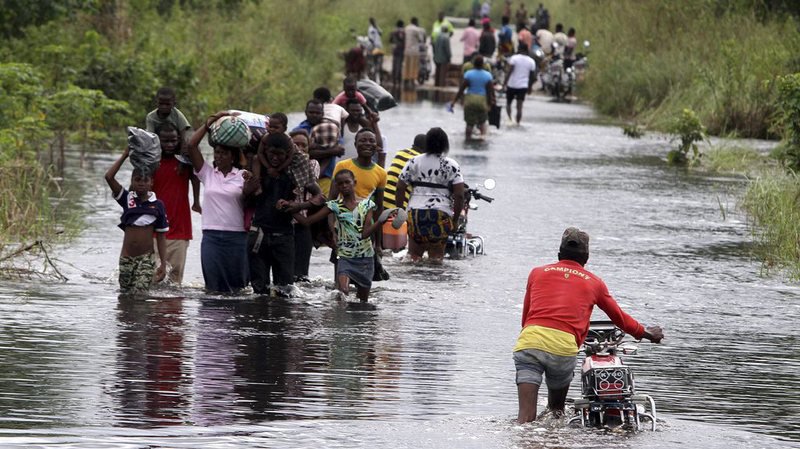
<point>712,67</point>
<point>73,73</point>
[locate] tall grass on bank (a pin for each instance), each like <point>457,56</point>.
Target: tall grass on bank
<point>26,209</point>
<point>773,203</point>
<point>650,59</point>
<point>264,56</point>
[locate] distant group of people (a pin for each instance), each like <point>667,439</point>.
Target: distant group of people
<point>270,195</point>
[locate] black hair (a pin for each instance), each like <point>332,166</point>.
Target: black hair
<point>559,27</point>
<point>323,94</point>
<point>299,132</point>
<point>419,142</point>
<point>472,22</point>
<point>522,47</point>
<point>281,117</point>
<point>278,141</point>
<point>477,61</point>
<point>142,172</point>
<point>573,255</point>
<point>344,171</point>
<point>349,80</point>
<point>313,101</point>
<point>168,127</point>
<point>363,130</point>
<point>571,32</point>
<point>436,141</point>
<point>400,23</point>
<point>414,21</point>
<point>165,126</point>
<point>166,92</point>
<point>504,20</point>
<point>236,153</point>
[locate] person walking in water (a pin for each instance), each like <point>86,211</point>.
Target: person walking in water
<point>559,299</point>
<point>521,75</point>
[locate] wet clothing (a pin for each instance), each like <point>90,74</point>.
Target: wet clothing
<point>136,273</point>
<point>432,177</point>
<point>393,174</point>
<point>223,208</point>
<point>223,257</point>
<point>349,226</point>
<point>138,212</point>
<point>532,364</point>
<point>429,226</point>
<point>270,242</point>
<point>476,111</point>
<point>368,179</point>
<point>171,185</point>
<point>561,296</point>
<point>359,269</point>
<point>487,43</point>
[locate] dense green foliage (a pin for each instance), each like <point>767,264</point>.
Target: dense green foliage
<point>687,131</point>
<point>651,59</point>
<point>787,121</point>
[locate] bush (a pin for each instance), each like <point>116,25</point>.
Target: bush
<point>787,120</point>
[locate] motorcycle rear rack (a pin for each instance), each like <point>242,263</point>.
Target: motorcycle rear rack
<point>582,404</point>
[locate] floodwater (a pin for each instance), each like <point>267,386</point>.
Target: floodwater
<point>431,366</point>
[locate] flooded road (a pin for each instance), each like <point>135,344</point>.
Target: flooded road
<point>431,366</point>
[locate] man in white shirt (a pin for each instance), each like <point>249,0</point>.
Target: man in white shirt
<point>519,81</point>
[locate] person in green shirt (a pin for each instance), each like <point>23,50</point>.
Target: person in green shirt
<point>438,24</point>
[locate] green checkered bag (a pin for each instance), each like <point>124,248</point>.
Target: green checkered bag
<point>229,131</point>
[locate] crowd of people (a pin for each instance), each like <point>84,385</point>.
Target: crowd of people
<point>271,193</point>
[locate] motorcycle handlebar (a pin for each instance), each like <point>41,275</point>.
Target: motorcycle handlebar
<point>479,196</point>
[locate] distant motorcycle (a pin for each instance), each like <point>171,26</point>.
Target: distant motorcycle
<point>559,77</point>
<point>461,243</point>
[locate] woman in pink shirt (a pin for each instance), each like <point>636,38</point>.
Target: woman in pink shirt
<point>223,250</point>
<point>470,39</point>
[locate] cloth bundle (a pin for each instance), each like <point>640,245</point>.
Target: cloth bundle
<point>230,131</point>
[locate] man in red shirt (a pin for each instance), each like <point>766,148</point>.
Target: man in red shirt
<point>555,321</point>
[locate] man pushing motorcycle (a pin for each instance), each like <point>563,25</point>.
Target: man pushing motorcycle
<point>559,299</point>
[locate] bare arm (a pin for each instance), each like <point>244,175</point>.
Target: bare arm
<point>315,217</point>
<point>193,146</point>
<point>458,201</point>
<point>400,194</point>
<point>111,174</point>
<point>370,226</point>
<point>317,152</point>
<point>195,194</point>
<point>460,93</point>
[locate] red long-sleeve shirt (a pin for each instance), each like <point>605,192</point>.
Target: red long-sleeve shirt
<point>561,296</point>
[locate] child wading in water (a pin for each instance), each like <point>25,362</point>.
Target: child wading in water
<point>142,214</point>
<point>354,226</point>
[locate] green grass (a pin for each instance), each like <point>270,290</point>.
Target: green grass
<point>737,160</point>
<point>773,203</point>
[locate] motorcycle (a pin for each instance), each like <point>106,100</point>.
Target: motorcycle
<point>608,395</point>
<point>557,79</point>
<point>461,243</point>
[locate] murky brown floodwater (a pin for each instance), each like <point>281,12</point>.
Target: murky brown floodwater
<point>431,367</point>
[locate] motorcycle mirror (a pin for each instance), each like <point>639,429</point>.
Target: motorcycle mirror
<point>489,184</point>
<point>586,44</point>
<point>629,348</point>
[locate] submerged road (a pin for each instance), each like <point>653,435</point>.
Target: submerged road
<point>431,366</point>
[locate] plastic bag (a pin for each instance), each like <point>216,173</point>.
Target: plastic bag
<point>378,98</point>
<point>145,149</point>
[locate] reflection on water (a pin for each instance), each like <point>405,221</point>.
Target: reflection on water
<point>431,365</point>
